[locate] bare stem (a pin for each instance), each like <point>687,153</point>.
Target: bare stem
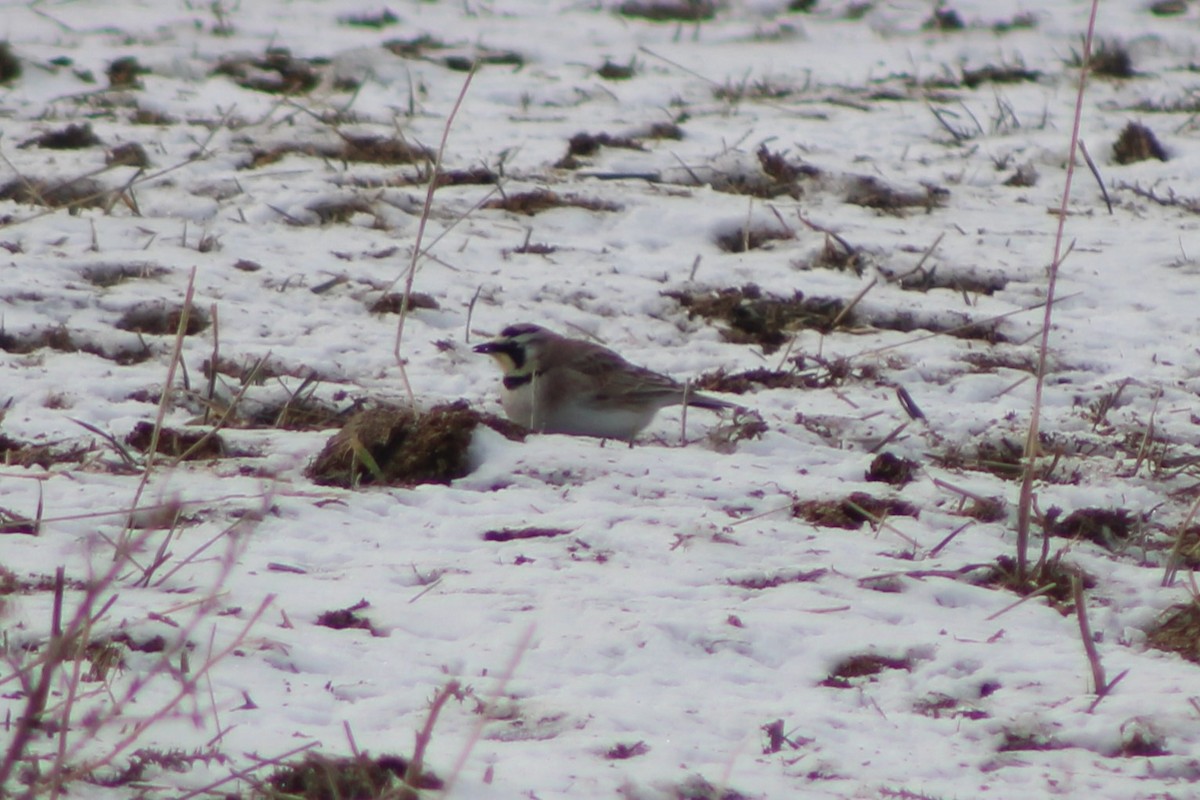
<point>1085,632</point>
<point>163,404</point>
<point>434,175</point>
<point>1031,441</point>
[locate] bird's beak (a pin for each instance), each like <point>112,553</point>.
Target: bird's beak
<point>486,347</point>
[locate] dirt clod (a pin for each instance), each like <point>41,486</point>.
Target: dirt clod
<point>162,319</point>
<point>396,447</point>
<point>851,671</point>
<point>1137,143</point>
<point>851,512</point>
<point>318,777</point>
<point>276,72</point>
<point>196,445</point>
<point>1108,527</point>
<point>72,137</point>
<point>755,317</point>
<point>123,73</point>
<point>539,200</point>
<point>892,469</point>
<point>1178,632</point>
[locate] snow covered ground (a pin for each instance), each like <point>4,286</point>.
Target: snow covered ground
<point>690,631</point>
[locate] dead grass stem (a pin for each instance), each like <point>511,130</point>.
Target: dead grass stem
<point>426,210</point>
<point>164,403</point>
<point>1025,505</point>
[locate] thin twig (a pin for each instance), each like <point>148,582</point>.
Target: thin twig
<point>855,301</point>
<point>1031,441</point>
<point>1037,593</point>
<point>435,174</point>
<point>1085,632</point>
<point>506,676</point>
<point>1172,568</point>
<point>227,414</point>
<point>1096,174</point>
<point>1108,690</point>
<point>949,538</point>
<point>1148,436</point>
<point>412,775</point>
<point>164,403</point>
<point>213,362</point>
<point>920,262</point>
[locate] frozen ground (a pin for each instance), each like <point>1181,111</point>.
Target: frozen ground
<point>648,650</point>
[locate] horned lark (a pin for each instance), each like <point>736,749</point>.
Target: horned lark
<point>553,384</point>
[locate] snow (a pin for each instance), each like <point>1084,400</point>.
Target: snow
<point>635,624</point>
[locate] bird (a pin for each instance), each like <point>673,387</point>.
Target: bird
<point>555,384</point>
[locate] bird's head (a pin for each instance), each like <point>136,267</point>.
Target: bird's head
<point>518,348</point>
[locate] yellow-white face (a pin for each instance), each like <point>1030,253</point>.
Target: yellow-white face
<point>516,348</point>
<point>501,357</point>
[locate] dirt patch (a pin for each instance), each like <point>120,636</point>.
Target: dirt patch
<point>892,469</point>
<point>516,534</point>
<point>615,72</point>
<point>276,72</point>
<point>341,619</point>
<point>56,193</point>
<point>973,78</point>
<point>392,302</point>
<point>352,149</point>
<point>318,777</point>
<point>870,192</point>
<point>396,447</point>
<point>188,445</point>
<point>10,65</point>
<point>482,57</point>
<point>760,582</point>
<point>622,751</point>
<point>588,144</point>
<point>61,339</point>
<point>539,200</point>
<point>753,237</point>
<point>299,412</point>
<point>851,512</point>
<point>761,378</point>
<point>162,319</point>
<point>124,72</point>
<point>1137,143</point>
<point>864,668</point>
<point>106,275</point>
<point>939,706</point>
<point>375,21</point>
<point>1110,58</point>
<point>72,137</point>
<point>668,10</point>
<point>1178,632</point>
<point>755,317</point>
<point>1051,580</point>
<point>1107,527</point>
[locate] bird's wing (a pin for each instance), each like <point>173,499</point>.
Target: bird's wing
<point>609,380</point>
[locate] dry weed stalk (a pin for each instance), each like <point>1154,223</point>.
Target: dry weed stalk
<point>1174,558</point>
<point>411,274</point>
<point>107,707</point>
<point>1025,505</point>
<point>510,669</point>
<point>164,403</point>
<point>1102,686</point>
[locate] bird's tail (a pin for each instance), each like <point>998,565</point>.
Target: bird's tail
<point>711,403</point>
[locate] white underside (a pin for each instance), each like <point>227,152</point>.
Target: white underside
<point>576,420</point>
